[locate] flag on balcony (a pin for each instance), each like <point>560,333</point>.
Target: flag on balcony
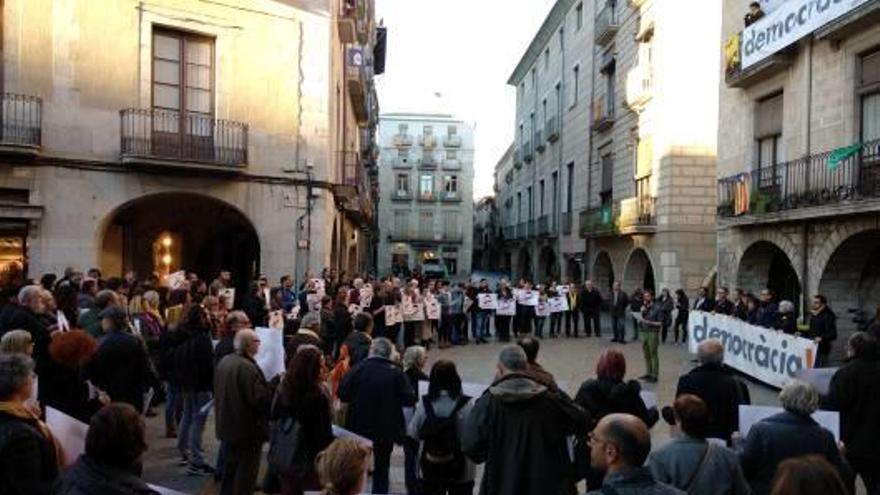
<point>840,154</point>
<point>741,195</point>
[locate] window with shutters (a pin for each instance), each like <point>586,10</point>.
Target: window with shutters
<point>768,130</point>
<point>426,224</point>
<point>450,224</point>
<point>605,193</point>
<point>183,91</point>
<point>869,97</point>
<point>401,223</point>
<point>402,185</point>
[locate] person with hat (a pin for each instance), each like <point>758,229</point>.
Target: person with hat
<point>121,368</point>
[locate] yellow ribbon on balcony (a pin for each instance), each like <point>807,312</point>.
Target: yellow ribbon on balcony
<point>731,52</point>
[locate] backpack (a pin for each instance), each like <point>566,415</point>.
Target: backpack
<point>442,459</point>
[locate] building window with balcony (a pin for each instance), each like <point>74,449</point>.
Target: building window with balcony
<point>575,94</point>
<point>426,224</point>
<point>451,155</point>
<point>579,16</point>
<point>541,198</point>
<point>450,186</point>
<point>869,96</point>
<point>768,134</point>
<point>183,88</point>
<point>402,185</point>
<point>569,193</point>
<point>401,223</point>
<point>426,187</point>
<point>607,184</point>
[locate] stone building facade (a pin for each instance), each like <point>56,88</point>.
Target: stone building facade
<point>426,208</point>
<point>192,143</point>
<point>798,155</point>
<point>486,235</point>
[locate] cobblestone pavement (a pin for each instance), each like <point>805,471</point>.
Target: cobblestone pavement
<point>570,360</point>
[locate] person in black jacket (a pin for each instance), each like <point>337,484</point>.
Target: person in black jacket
<point>855,392</point>
<point>636,300</point>
<point>823,328</point>
<point>341,320</point>
<point>590,301</point>
<point>712,382</point>
<point>359,340</point>
<point>703,301</point>
<point>254,305</point>
<point>414,360</point>
<point>62,383</point>
<point>376,391</point>
<point>619,302</point>
<point>25,315</point>
<point>194,364</point>
<point>112,462</point>
<point>121,368</point>
<point>303,398</point>
<point>235,321</point>
<point>29,455</point>
<point>723,305</point>
<point>681,317</point>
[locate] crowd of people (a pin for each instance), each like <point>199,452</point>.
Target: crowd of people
<point>110,352</point>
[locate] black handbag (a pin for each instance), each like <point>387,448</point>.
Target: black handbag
<point>286,449</point>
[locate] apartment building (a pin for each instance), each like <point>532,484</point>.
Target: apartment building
<point>426,208</point>
<point>485,236</point>
<point>799,153</point>
<point>180,134</point>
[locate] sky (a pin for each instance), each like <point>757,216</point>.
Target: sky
<point>464,50</point>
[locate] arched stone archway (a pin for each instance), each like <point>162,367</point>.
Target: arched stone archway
<point>573,270</point>
<point>765,265</point>
<point>639,272</point>
<point>525,263</point>
<point>547,265</point>
<point>211,235</point>
<point>603,272</point>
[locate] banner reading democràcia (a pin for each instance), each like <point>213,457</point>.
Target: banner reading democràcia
<point>767,355</point>
<point>789,22</point>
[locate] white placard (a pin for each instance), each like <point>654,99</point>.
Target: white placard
<point>819,377</point>
<point>649,398</point>
<point>791,21</point>
<point>366,295</point>
<point>229,294</point>
<point>393,316</point>
<point>749,415</point>
<point>506,307</point>
<point>517,293</point>
<point>69,432</point>
<point>558,304</point>
<point>768,355</point>
<point>270,356</point>
<point>408,307</point>
<point>176,280</point>
<point>562,289</point>
<point>340,432</point>
<point>432,309</point>
<point>488,301</point>
<point>542,310</point>
<point>528,298</point>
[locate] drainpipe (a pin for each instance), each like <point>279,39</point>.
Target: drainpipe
<point>805,240</point>
<point>590,154</point>
<point>557,213</point>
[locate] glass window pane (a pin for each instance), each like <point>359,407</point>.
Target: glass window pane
<point>166,72</point>
<point>165,46</point>
<point>198,76</point>
<point>198,100</point>
<point>871,117</point>
<point>166,96</point>
<point>198,52</point>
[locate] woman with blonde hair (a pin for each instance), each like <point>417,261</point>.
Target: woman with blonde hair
<point>343,466</point>
<point>17,342</point>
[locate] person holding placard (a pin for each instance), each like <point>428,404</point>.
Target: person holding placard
<point>572,318</point>
<point>502,315</point>
<point>555,312</point>
<point>481,332</point>
<point>542,311</point>
<point>412,320</point>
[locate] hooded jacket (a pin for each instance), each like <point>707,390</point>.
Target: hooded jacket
<point>518,427</point>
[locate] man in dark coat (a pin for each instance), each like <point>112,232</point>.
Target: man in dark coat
<point>591,307</point>
<point>716,386</point>
<point>703,302</point>
<point>242,397</point>
<point>723,305</point>
<point>518,427</point>
<point>121,367</point>
<point>855,392</point>
<point>25,315</point>
<point>823,328</point>
<point>376,391</point>
<point>619,305</point>
<point>768,310</point>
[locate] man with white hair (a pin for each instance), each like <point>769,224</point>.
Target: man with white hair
<point>791,433</point>
<point>715,384</point>
<point>376,391</point>
<point>242,397</point>
<point>25,316</point>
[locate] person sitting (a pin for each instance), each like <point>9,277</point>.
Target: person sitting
<point>692,464</point>
<point>112,462</point>
<point>808,475</point>
<point>755,13</point>
<point>342,467</point>
<point>619,445</point>
<point>29,455</point>
<point>791,433</point>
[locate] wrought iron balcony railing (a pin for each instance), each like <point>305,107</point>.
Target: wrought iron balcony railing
<point>22,121</point>
<point>607,23</point>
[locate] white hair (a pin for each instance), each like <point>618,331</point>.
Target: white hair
<point>242,339</point>
<point>382,348</point>
<point>28,293</point>
<point>414,357</point>
<point>799,397</point>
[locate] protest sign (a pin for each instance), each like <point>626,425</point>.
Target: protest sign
<point>558,304</point>
<point>276,320</point>
<point>819,377</point>
<point>270,356</point>
<point>392,316</point>
<point>229,294</point>
<point>542,310</point>
<point>432,309</point>
<point>176,280</point>
<point>562,289</point>
<point>749,415</point>
<point>488,301</point>
<point>528,298</point>
<point>506,307</point>
<point>69,432</point>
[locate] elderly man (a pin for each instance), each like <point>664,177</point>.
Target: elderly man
<point>590,301</point>
<point>307,334</point>
<point>518,427</point>
<point>235,322</point>
<point>25,316</point>
<point>619,304</point>
<point>715,384</point>
<point>242,399</point>
<point>376,391</point>
<point>791,433</point>
<point>619,445</point>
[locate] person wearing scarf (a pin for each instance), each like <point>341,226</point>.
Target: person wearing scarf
<point>30,456</point>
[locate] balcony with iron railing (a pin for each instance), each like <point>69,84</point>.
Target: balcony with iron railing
<point>528,152</point>
<point>428,161</point>
<point>607,23</point>
<point>352,188</point>
<point>450,197</point>
<point>603,115</point>
<point>552,129</point>
<point>21,127</point>
<point>353,21</point>
<point>154,137</point>
<point>427,196</point>
<point>452,141</point>
<point>425,236</point>
<point>357,80</point>
<point>540,144</point>
<point>403,140</point>
<point>401,195</point>
<point>451,164</point>
<point>547,226</point>
<point>567,220</point>
<point>522,230</point>
<point>597,222</point>
<point>638,213</point>
<point>639,87</point>
<point>838,182</point>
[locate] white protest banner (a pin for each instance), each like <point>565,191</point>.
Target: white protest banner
<point>749,415</point>
<point>542,309</point>
<point>770,356</point>
<point>558,304</point>
<point>270,356</point>
<point>791,21</point>
<point>432,309</point>
<point>229,294</point>
<point>392,316</point>
<point>506,307</point>
<point>176,280</point>
<point>69,432</point>
<point>488,301</point>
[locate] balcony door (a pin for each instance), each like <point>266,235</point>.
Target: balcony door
<point>183,95</point>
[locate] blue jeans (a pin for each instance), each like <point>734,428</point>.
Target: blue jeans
<point>192,426</point>
<point>171,409</point>
<point>481,328</point>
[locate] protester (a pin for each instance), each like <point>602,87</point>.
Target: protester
<point>481,329</point>
<point>823,328</point>
<point>667,304</point>
<point>619,303</point>
<point>540,319</point>
<point>121,367</point>
<point>768,310</point>
<point>439,423</point>
<point>855,392</point>
<point>787,321</point>
<point>61,383</point>
<point>29,455</point>
<point>716,386</point>
<point>358,341</point>
<point>740,306</point>
<point>531,347</point>
<point>619,445</point>
<point>242,400</point>
<point>572,318</point>
<point>703,301</point>
<point>791,433</point>
<point>25,315</point>
<point>723,305</point>
<point>235,321</point>
<point>414,360</point>
<point>502,322</point>
<point>308,334</point>
<point>17,342</point>
<point>254,306</point>
<point>342,323</point>
<point>590,300</point>
<point>303,403</point>
<point>808,475</point>
<point>376,391</point>
<point>343,466</point>
<point>754,15</point>
<point>90,321</point>
<point>636,300</point>
<point>652,314</point>
<point>692,464</point>
<point>111,464</point>
<point>518,427</point>
<point>608,393</point>
<point>681,317</point>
